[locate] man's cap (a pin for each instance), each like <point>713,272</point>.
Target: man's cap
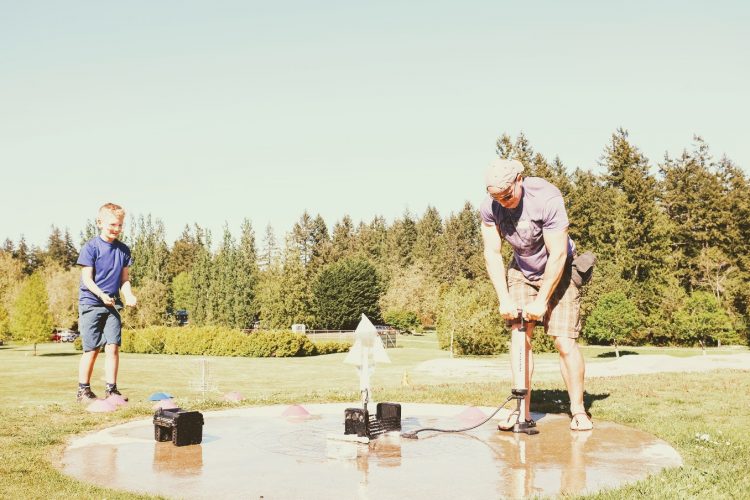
<point>501,173</point>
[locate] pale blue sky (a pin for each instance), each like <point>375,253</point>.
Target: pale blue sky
<point>214,111</point>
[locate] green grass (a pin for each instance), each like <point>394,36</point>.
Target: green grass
<point>38,414</point>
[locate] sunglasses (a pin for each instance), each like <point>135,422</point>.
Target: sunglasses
<point>507,196</point>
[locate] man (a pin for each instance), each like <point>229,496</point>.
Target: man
<point>529,214</point>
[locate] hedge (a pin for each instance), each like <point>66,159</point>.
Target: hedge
<point>221,341</point>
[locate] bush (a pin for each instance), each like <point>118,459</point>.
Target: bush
<point>614,319</point>
<point>402,320</point>
<point>343,291</point>
<point>468,314</point>
<point>332,347</point>
<point>220,341</point>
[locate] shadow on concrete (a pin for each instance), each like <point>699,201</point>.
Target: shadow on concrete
<point>557,401</point>
<point>613,354</point>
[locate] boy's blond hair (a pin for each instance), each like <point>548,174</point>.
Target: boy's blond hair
<point>113,209</point>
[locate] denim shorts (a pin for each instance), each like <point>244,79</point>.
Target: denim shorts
<point>99,325</point>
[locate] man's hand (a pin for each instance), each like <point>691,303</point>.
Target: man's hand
<point>508,310</point>
<point>107,300</point>
<point>535,311</point>
<point>129,299</point>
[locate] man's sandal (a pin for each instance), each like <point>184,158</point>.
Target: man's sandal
<point>576,421</point>
<point>508,426</point>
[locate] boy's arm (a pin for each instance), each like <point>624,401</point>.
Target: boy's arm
<point>127,292</point>
<point>87,276</point>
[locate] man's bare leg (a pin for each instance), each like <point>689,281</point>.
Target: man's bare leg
<point>573,370</point>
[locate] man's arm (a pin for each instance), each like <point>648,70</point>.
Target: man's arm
<point>127,292</point>
<point>87,276</point>
<point>493,259</point>
<point>556,243</point>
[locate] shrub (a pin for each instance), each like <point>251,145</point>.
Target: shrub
<point>343,291</point>
<point>332,347</point>
<point>614,319</point>
<point>402,320</point>
<point>468,315</point>
<point>219,341</point>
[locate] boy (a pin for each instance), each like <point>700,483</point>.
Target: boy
<point>104,261</point>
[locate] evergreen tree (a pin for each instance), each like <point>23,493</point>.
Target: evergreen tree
<point>692,196</point>
<point>246,278</point>
<point>270,250</point>
<point>461,247</point>
<point>89,231</point>
<point>342,239</point>
<point>401,239</point>
<point>310,236</point>
<point>222,292</point>
<point>184,252</point>
<point>343,291</point>
<point>31,321</point>
<point>200,283</point>
<point>644,238</point>
<point>429,231</point>
<point>8,247</point>
<point>372,244</point>
<point>149,251</point>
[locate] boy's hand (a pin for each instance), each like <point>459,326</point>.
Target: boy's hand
<point>107,300</point>
<point>130,300</point>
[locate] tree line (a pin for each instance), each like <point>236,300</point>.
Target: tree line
<point>672,240</point>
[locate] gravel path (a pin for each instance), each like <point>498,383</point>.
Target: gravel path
<point>470,368</point>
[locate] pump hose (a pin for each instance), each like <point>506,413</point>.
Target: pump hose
<point>413,434</point>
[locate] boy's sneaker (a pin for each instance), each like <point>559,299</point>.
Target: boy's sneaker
<point>85,395</point>
<point>110,390</point>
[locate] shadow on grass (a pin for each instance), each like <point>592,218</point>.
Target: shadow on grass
<point>557,401</point>
<point>57,354</point>
<point>613,354</point>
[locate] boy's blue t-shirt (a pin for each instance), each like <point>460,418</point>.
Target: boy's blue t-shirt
<point>108,261</point>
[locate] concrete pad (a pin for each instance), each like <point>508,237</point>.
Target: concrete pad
<point>258,452</point>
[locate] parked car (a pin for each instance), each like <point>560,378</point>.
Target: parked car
<point>68,335</point>
<point>55,336</point>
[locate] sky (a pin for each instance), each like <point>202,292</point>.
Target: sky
<point>212,112</point>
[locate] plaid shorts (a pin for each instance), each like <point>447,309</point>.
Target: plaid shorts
<point>563,318</point>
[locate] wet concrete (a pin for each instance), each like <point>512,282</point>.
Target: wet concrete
<point>258,453</point>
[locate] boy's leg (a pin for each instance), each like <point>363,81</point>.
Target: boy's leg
<point>113,336</point>
<point>111,363</point>
<point>86,366</point>
<point>90,323</point>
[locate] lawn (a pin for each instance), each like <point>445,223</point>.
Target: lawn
<point>705,416</point>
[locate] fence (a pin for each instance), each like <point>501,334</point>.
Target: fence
<point>387,336</point>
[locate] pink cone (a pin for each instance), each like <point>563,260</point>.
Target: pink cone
<point>296,411</point>
<point>234,397</point>
<point>116,401</point>
<point>472,415</point>
<point>165,404</point>
<point>101,406</point>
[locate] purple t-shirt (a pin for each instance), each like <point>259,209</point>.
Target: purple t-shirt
<point>108,261</point>
<point>541,209</point>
